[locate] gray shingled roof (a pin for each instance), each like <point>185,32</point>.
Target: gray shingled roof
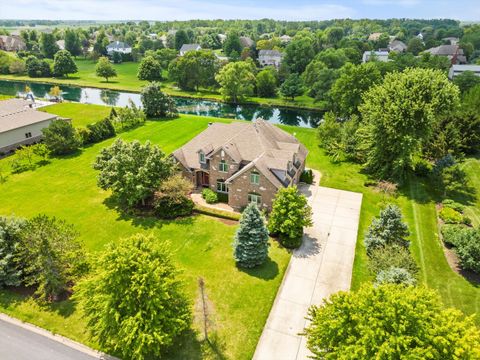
<point>445,50</point>
<point>259,144</point>
<point>15,113</point>
<point>189,47</point>
<point>269,53</point>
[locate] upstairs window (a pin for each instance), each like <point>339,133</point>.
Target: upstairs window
<point>28,135</point>
<point>223,166</point>
<point>255,178</point>
<point>201,157</point>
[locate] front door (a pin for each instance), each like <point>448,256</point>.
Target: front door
<point>203,179</point>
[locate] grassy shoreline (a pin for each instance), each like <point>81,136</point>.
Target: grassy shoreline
<point>127,81</point>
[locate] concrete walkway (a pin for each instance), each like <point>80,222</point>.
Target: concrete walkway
<point>320,267</point>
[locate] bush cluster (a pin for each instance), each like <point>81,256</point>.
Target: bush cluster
<point>466,242</point>
<point>210,196</point>
<point>172,200</point>
<point>452,213</point>
<point>307,176</point>
<point>97,132</point>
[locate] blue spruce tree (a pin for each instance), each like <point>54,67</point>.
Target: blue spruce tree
<point>251,239</point>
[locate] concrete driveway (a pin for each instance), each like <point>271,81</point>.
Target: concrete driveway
<point>320,267</point>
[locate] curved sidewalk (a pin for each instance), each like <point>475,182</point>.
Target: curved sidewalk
<point>320,267</point>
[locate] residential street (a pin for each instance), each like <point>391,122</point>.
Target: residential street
<point>18,343</point>
<point>320,267</point>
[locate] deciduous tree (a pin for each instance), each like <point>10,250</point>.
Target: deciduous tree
<point>149,69</point>
<point>61,138</point>
<point>134,302</point>
<point>156,103</point>
<point>236,80</point>
<point>105,69</point>
<point>63,64</point>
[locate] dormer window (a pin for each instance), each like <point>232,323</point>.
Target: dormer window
<point>223,166</point>
<point>255,177</point>
<point>201,157</point>
<point>290,166</point>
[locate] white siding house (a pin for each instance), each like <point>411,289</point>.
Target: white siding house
<point>118,46</point>
<point>20,124</point>
<point>189,47</point>
<point>270,58</point>
<point>456,70</point>
<point>375,55</point>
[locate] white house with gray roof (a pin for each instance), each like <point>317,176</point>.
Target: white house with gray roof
<point>21,124</point>
<point>189,47</point>
<point>118,46</point>
<point>270,58</point>
<point>456,70</point>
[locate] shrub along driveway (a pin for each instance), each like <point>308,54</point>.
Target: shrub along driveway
<point>320,267</point>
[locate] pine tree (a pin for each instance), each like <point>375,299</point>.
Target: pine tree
<point>251,239</point>
<point>388,229</point>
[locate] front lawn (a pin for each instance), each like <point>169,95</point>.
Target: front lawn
<point>67,188</point>
<point>80,114</point>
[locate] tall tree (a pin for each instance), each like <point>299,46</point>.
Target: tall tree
<point>132,171</point>
<point>236,80</point>
<point>194,69</point>
<point>134,302</point>
<point>61,137</point>
<point>149,69</point>
<point>48,45</point>
<point>232,44</point>
<point>251,239</point>
<point>156,103</point>
<point>292,87</point>
<point>72,42</point>
<point>290,214</point>
<point>181,38</point>
<point>390,322</point>
<point>415,46</point>
<point>63,64</point>
<point>10,240</point>
<point>52,256</point>
<point>266,82</point>
<point>347,91</point>
<point>399,116</point>
<point>298,54</point>
<point>105,69</point>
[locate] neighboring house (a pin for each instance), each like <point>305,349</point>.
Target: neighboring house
<point>21,124</point>
<point>245,41</point>
<point>285,38</point>
<point>375,55</point>
<point>456,70</point>
<point>397,45</point>
<point>163,39</point>
<point>222,37</point>
<point>189,47</point>
<point>153,36</point>
<point>248,162</point>
<point>118,46</point>
<point>270,58</point>
<point>61,44</point>
<point>453,52</point>
<point>451,40</point>
<point>12,43</point>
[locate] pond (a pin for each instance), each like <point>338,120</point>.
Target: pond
<point>277,115</point>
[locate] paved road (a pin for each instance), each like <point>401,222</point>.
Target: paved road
<point>17,343</point>
<point>320,267</point>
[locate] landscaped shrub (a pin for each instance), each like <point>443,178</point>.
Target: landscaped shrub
<point>453,205</point>
<point>383,258</point>
<point>84,135</point>
<point>61,137</point>
<point>468,249</point>
<point>450,216</point>
<point>395,275</point>
<point>452,234</point>
<point>251,239</point>
<point>127,117</point>
<point>209,196</point>
<point>216,212</point>
<point>100,130</point>
<point>37,68</point>
<point>156,103</point>
<point>307,176</point>
<point>172,200</point>
<point>388,229</point>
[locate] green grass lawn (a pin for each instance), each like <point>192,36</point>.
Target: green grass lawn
<point>80,114</point>
<point>472,168</point>
<point>67,188</point>
<point>418,207</point>
<point>127,81</point>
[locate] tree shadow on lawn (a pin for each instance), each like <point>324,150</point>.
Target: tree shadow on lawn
<point>141,218</point>
<point>72,155</point>
<point>188,346</point>
<point>266,271</point>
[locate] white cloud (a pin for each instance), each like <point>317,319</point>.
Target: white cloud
<point>168,10</point>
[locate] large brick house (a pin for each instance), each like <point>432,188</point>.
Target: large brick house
<point>248,162</point>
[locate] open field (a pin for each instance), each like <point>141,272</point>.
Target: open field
<point>127,81</point>
<point>67,188</point>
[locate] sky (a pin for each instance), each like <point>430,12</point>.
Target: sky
<point>468,10</point>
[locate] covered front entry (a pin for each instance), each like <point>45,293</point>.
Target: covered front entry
<point>203,179</point>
